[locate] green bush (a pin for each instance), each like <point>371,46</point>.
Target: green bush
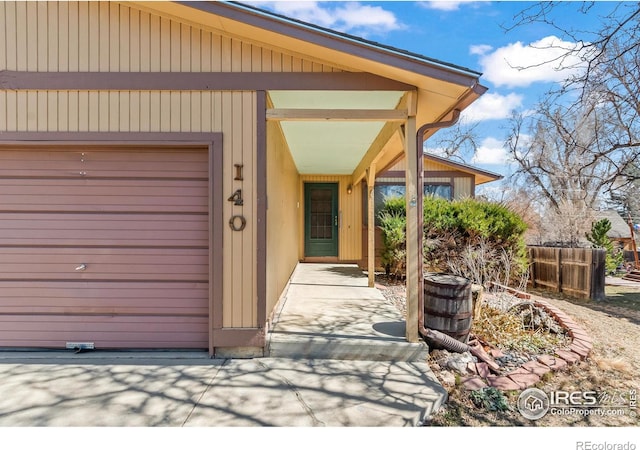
<point>599,239</point>
<point>489,398</point>
<point>480,240</point>
<point>393,222</point>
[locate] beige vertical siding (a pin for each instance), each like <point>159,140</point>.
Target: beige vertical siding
<point>401,165</point>
<point>350,210</point>
<point>112,37</point>
<point>463,187</point>
<point>432,165</point>
<point>109,36</point>
<point>282,214</point>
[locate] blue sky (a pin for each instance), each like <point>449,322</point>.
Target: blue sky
<point>470,34</point>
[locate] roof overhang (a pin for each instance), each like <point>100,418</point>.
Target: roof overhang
<point>335,128</point>
<point>481,176</point>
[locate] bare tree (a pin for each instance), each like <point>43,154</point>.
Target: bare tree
<point>580,145</point>
<point>626,197</point>
<point>459,142</point>
<point>527,204</point>
<point>567,157</point>
<point>591,51</point>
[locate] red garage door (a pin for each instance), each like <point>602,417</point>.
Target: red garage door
<point>104,245</point>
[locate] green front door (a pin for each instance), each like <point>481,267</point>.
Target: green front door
<point>321,219</point>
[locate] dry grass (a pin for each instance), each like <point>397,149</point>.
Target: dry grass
<point>508,332</point>
<point>614,365</point>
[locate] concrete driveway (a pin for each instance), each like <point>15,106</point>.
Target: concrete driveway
<point>174,389</point>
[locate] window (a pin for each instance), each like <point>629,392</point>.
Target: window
<point>439,190</point>
<point>383,191</point>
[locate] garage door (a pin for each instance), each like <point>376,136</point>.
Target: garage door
<point>104,245</point>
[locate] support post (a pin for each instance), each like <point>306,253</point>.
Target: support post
<point>371,228</point>
<point>414,213</point>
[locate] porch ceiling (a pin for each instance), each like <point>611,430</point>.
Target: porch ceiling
<point>332,146</point>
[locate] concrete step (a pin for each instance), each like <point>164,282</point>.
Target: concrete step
<point>347,348</point>
<point>329,312</point>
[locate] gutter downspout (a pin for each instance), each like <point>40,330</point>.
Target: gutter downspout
<point>441,338</point>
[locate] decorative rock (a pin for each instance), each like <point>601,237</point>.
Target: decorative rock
<point>552,362</point>
<point>479,352</point>
<point>579,350</point>
<point>524,380</point>
<point>447,378</point>
<point>483,369</point>
<point>568,356</point>
<point>471,368</point>
<point>459,362</point>
<point>579,335</point>
<point>503,383</point>
<point>473,383</point>
<point>584,344</point>
<point>536,368</point>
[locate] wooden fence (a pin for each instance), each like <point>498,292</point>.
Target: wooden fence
<point>578,272</point>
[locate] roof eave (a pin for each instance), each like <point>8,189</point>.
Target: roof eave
<point>464,167</point>
<point>337,41</point>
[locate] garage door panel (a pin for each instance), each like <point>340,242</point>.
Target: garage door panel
<point>104,331</point>
<point>46,229</point>
<point>104,245</point>
<point>100,324</point>
<point>104,264</point>
<point>100,163</point>
<point>104,195</point>
<point>132,298</point>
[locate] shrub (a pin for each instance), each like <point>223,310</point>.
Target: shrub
<point>489,398</point>
<point>393,222</point>
<point>479,240</point>
<point>599,239</point>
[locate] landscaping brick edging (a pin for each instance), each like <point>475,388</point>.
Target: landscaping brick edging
<point>531,372</point>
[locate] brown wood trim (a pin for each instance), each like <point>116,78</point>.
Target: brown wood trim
<point>340,42</point>
<point>261,204</point>
<point>199,81</point>
<point>427,174</point>
<point>211,140</point>
<point>239,337</point>
<point>106,137</point>
<point>216,240</point>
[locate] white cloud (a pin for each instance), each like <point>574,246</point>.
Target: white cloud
<point>492,106</point>
<point>520,65</point>
<point>480,49</point>
<point>445,5</point>
<point>492,152</point>
<point>351,17</point>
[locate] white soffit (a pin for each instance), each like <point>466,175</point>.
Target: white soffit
<point>331,147</point>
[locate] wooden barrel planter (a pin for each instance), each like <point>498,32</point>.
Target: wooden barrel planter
<point>448,305</point>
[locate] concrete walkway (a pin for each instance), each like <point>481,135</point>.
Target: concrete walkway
<point>175,389</point>
<point>330,313</point>
<point>340,361</point>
